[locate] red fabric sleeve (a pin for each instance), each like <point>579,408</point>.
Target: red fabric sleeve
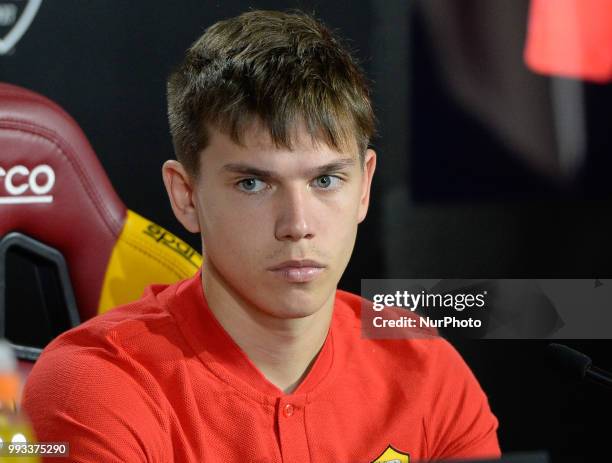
<point>460,424</point>
<point>89,398</point>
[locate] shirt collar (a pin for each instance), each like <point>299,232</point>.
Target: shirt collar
<point>224,358</point>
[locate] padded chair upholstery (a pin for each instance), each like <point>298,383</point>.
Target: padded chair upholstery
<point>85,216</point>
<point>54,189</point>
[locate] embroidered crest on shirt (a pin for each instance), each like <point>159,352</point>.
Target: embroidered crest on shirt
<point>392,455</point>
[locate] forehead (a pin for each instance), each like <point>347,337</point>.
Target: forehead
<point>257,146</point>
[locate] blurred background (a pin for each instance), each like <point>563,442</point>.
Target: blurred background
<point>494,147</point>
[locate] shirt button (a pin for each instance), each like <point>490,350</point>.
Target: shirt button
<point>288,410</point>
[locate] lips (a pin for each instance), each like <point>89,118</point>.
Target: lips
<point>298,271</point>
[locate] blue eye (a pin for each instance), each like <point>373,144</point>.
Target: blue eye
<point>251,185</point>
<point>327,182</point>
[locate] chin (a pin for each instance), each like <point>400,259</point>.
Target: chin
<point>289,314</point>
<point>296,305</point>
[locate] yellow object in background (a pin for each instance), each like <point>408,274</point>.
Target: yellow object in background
<point>144,254</point>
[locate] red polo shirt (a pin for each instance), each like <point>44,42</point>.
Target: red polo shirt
<point>160,380</point>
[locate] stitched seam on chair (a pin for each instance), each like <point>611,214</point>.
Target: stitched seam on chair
<point>113,225</point>
<point>163,262</point>
<point>81,172</point>
<point>137,239</point>
<point>149,245</point>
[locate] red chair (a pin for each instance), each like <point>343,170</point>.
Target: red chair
<point>69,247</point>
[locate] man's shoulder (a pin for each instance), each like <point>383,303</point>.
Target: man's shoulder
<point>99,379</point>
<point>139,334</point>
<point>131,320</point>
<point>107,359</point>
<point>416,349</point>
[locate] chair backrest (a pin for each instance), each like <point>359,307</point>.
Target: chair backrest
<point>59,208</point>
<point>53,189</point>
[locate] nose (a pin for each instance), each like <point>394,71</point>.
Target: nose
<point>295,219</point>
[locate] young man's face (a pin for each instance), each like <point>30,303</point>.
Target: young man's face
<point>278,226</point>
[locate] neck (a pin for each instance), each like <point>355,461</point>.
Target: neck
<point>283,349</point>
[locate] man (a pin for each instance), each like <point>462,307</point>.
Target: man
<point>259,358</point>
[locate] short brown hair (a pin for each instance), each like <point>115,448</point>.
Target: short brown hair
<point>280,68</point>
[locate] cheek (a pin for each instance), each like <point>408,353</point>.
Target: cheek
<point>345,211</point>
<point>341,225</point>
<point>231,234</point>
<point>221,216</point>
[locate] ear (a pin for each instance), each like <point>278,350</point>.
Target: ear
<point>369,166</point>
<point>180,191</point>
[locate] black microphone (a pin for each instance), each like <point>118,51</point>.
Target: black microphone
<point>577,365</point>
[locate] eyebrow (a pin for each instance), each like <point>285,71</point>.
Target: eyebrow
<point>246,169</point>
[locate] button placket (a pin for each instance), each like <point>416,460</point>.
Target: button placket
<point>292,431</point>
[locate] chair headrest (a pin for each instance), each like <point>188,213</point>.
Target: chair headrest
<point>54,189</point>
